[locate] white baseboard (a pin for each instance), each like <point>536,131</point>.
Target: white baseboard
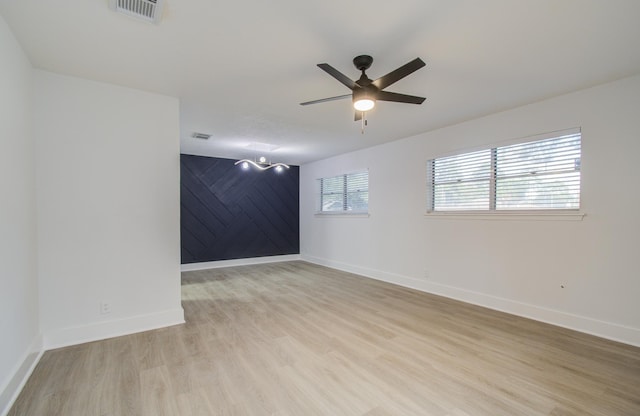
<point>238,262</point>
<point>608,330</point>
<point>109,329</point>
<point>19,376</point>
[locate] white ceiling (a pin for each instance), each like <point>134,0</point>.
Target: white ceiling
<point>240,69</point>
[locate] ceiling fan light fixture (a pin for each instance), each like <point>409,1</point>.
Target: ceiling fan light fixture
<point>364,104</point>
<point>363,100</point>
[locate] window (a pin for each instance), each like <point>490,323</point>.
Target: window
<point>537,175</point>
<point>347,193</point>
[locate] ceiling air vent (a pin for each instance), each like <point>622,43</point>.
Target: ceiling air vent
<point>147,10</point>
<point>202,136</point>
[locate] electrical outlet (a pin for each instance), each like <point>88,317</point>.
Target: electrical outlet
<point>105,307</point>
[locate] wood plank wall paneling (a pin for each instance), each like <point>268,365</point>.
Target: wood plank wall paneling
<point>229,213</point>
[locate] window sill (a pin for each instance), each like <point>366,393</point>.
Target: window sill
<point>511,215</point>
<point>341,215</point>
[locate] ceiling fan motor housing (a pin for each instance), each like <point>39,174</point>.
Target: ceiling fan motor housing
<point>363,62</point>
<point>365,93</point>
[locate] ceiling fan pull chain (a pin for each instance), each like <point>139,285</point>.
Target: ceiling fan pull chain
<point>364,123</point>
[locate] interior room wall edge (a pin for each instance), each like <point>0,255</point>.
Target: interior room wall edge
<point>238,262</point>
<point>20,347</point>
<point>64,337</point>
<point>21,373</point>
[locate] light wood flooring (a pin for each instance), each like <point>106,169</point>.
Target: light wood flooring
<point>299,339</point>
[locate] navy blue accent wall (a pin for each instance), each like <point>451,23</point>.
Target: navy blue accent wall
<point>227,212</point>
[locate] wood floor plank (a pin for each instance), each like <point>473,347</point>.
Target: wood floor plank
<point>292,339</point>
<point>157,393</point>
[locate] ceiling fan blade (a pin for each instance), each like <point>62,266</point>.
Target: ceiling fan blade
<point>358,116</point>
<point>394,76</point>
<point>348,82</point>
<point>398,98</point>
<point>324,100</point>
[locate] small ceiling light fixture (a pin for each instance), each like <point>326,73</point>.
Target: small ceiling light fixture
<point>244,163</point>
<point>261,163</point>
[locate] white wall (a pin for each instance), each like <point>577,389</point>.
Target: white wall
<point>107,169</point>
<point>89,178</point>
<point>19,333</point>
<point>512,265</point>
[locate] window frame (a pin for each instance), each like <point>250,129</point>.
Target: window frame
<point>492,212</point>
<point>344,193</point>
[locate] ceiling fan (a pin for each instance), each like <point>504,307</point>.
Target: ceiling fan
<point>365,92</point>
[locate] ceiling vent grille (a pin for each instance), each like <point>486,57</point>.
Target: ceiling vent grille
<point>147,10</point>
<point>202,136</point>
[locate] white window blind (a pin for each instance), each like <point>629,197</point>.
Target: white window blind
<point>344,193</point>
<point>461,182</point>
<point>537,175</point>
